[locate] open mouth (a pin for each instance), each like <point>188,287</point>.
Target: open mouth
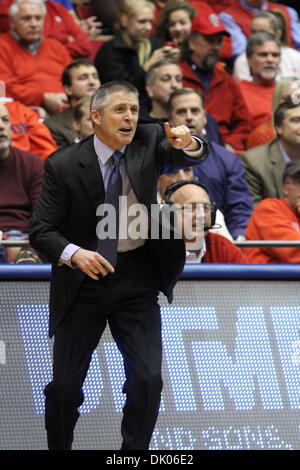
<point>125,130</point>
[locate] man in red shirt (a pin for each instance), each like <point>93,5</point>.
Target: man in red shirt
<point>30,65</point>
<point>277,219</point>
<point>263,55</point>
<point>202,70</point>
<point>195,218</point>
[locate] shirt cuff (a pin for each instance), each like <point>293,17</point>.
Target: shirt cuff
<point>198,151</point>
<point>67,254</point>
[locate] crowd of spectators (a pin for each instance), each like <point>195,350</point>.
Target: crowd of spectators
<point>227,69</point>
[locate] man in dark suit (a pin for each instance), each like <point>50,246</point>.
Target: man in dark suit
<point>87,291</point>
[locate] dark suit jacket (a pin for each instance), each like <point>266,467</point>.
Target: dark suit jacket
<point>72,190</point>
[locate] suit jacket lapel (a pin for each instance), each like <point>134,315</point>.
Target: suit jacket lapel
<point>90,172</point>
<point>278,165</point>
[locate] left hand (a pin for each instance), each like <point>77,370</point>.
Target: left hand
<point>179,136</point>
<point>91,26</point>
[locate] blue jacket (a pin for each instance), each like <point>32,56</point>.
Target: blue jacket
<point>224,177</point>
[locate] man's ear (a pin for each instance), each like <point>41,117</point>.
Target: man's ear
<point>96,117</point>
<point>67,90</point>
<point>191,45</point>
<point>278,131</point>
<point>149,91</point>
<point>284,189</point>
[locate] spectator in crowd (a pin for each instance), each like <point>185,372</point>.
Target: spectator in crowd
<point>277,219</point>
<point>132,51</point>
<point>80,78</point>
<point>160,6</point>
<point>202,244</point>
<point>289,65</point>
<point>174,23</point>
<point>264,165</point>
<point>21,176</point>
<point>237,20</point>
<point>37,82</point>
<point>81,118</point>
<point>201,70</point>
<point>263,54</point>
<point>162,79</point>
<point>265,132</point>
<point>222,171</point>
<point>187,174</point>
<point>58,24</point>
<point>27,131</point>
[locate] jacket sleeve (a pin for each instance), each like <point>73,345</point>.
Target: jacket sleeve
<point>253,179</point>
<point>239,205</point>
<point>49,216</point>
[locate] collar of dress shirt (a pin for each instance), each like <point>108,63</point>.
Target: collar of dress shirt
<point>196,257</point>
<point>255,10</point>
<point>103,151</point>
<point>284,154</point>
<point>32,48</point>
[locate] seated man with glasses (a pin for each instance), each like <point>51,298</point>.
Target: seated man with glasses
<point>195,220</point>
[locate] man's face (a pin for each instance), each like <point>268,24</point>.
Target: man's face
<point>289,131</point>
<point>255,3</point>
<point>28,22</point>
<point>168,79</point>
<point>5,132</point>
<point>84,126</point>
<point>180,25</point>
<point>194,214</point>
<point>264,62</point>
<point>205,50</point>
<point>291,191</point>
<point>84,82</point>
<point>186,174</point>
<point>116,125</point>
<point>188,109</point>
<point>139,26</point>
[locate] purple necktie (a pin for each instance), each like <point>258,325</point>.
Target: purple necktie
<point>109,246</point>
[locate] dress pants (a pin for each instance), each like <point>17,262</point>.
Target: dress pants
<point>127,301</point>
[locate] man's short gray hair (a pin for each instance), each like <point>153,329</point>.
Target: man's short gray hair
<point>151,73</point>
<point>14,8</point>
<point>100,98</point>
<point>258,39</point>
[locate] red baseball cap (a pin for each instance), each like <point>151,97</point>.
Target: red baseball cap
<point>208,23</point>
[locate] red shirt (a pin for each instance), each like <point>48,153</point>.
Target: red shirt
<point>258,99</point>
<point>273,219</point>
<point>28,77</point>
<point>221,250</point>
